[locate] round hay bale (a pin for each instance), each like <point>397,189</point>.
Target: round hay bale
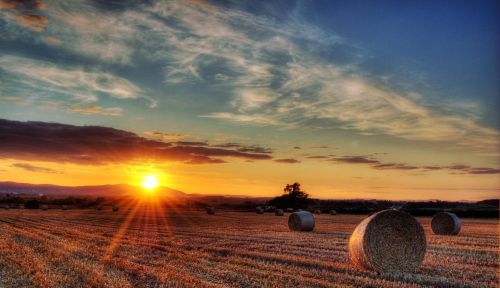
<point>389,241</point>
<point>99,208</point>
<point>64,207</point>
<point>44,207</point>
<point>6,206</point>
<point>270,209</point>
<point>279,212</point>
<point>301,221</point>
<point>116,208</point>
<point>446,223</point>
<point>289,210</point>
<point>210,210</point>
<point>259,210</point>
<point>333,212</point>
<point>317,212</point>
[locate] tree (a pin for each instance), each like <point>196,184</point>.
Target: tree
<point>32,204</point>
<point>293,197</point>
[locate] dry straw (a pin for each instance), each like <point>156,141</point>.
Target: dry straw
<point>210,210</point>
<point>389,241</point>
<point>301,221</point>
<point>445,223</point>
<point>279,212</point>
<point>259,210</point>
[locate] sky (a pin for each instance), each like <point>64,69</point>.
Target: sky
<point>353,99</point>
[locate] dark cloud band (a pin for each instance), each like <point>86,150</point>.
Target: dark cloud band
<point>99,145</point>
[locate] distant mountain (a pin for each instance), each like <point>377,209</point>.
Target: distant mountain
<point>96,190</point>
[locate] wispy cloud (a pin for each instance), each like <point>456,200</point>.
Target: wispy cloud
<point>377,164</point>
<point>355,160</point>
<point>76,87</point>
<point>287,161</point>
<point>97,110</point>
<point>33,21</point>
<point>165,136</point>
<point>32,168</point>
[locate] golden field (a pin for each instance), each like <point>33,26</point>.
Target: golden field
<point>152,247</point>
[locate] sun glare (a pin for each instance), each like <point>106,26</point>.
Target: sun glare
<point>150,182</point>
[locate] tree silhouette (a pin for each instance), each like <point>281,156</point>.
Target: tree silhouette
<point>293,197</point>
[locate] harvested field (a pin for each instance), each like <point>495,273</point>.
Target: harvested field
<point>149,247</point>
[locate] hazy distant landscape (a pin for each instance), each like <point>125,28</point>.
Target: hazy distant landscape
<point>14,194</point>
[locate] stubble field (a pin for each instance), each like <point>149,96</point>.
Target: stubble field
<point>152,247</point>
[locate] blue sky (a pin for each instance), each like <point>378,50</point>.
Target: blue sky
<point>411,79</point>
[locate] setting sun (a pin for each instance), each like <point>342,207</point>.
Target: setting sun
<point>150,182</point>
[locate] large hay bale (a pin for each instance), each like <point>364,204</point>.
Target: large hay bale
<point>44,207</point>
<point>259,210</point>
<point>333,212</point>
<point>279,212</point>
<point>301,221</point>
<point>210,210</point>
<point>116,208</point>
<point>446,223</point>
<point>317,212</point>
<point>389,241</point>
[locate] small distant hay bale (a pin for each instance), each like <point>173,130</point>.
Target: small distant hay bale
<point>211,210</point>
<point>270,209</point>
<point>98,208</point>
<point>299,210</point>
<point>116,208</point>
<point>289,210</point>
<point>20,206</point>
<point>446,223</point>
<point>389,241</point>
<point>44,207</point>
<point>259,210</point>
<point>279,212</point>
<point>6,206</point>
<point>333,212</point>
<point>301,221</point>
<point>64,207</point>
<point>317,212</point>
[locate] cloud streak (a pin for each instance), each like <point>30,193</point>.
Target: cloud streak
<point>379,165</point>
<point>32,168</point>
<point>287,161</point>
